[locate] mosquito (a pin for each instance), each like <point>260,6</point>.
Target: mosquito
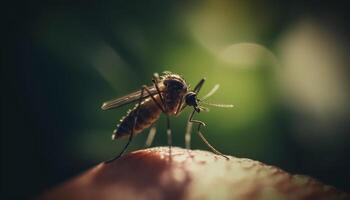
<point>169,94</point>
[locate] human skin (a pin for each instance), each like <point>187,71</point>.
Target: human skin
<point>189,174</point>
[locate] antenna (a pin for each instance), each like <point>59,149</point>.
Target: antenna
<point>212,91</point>
<point>217,105</point>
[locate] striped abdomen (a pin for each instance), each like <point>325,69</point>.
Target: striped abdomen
<point>148,113</point>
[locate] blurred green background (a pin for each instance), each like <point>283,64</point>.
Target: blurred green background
<point>284,65</point>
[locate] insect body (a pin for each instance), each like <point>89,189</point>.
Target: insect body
<point>172,89</point>
<point>169,94</point>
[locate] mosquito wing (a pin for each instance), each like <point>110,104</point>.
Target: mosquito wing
<point>130,98</point>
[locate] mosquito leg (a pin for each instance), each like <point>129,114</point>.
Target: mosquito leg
<point>180,107</point>
<point>168,132</point>
<point>127,144</point>
<point>165,109</point>
<point>188,137</point>
<point>188,134</point>
<point>155,83</point>
<point>132,130</point>
<point>200,123</point>
<point>154,99</point>
<point>150,138</point>
<point>189,122</point>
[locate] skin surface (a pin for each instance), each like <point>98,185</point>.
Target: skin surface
<point>189,174</point>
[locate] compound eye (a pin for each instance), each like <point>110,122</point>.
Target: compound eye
<point>191,99</point>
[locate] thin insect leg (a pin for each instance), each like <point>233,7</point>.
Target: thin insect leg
<point>137,114</point>
<point>168,131</point>
<point>150,138</point>
<point>200,123</point>
<point>183,106</point>
<point>196,89</point>
<point>132,130</point>
<point>151,95</point>
<point>188,134</point>
<point>167,116</point>
<point>178,109</point>
<point>155,83</point>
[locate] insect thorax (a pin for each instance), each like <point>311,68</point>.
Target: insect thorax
<point>175,88</point>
